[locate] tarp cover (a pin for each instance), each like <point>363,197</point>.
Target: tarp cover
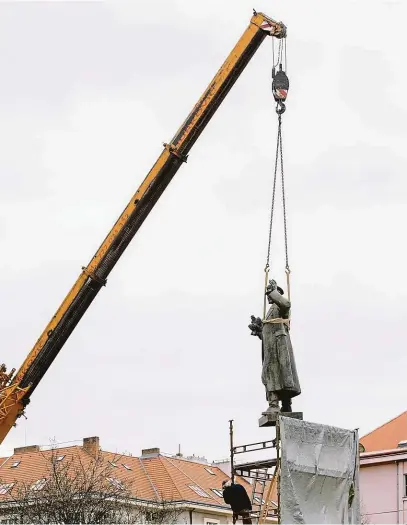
<point>319,473</point>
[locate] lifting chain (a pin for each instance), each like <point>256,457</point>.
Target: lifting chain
<point>280,89</point>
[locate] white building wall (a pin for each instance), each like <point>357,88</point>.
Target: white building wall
<point>203,517</point>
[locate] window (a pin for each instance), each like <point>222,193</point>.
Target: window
<point>60,458</point>
<point>405,485</point>
<point>211,521</point>
<point>199,491</point>
<point>113,464</point>
<point>5,487</point>
<point>116,483</point>
<point>210,471</point>
<point>257,499</point>
<point>218,492</point>
<point>126,466</point>
<point>39,484</point>
<point>152,516</point>
<point>15,464</point>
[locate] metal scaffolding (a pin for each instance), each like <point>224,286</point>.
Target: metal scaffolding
<point>265,474</point>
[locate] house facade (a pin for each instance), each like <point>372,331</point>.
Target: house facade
<point>383,473</point>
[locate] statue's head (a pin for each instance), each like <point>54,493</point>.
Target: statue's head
<point>272,286</point>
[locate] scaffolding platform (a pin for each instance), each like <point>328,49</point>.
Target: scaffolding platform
<point>252,447</point>
<point>250,469</point>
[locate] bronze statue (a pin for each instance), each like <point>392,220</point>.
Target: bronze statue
<point>279,374</point>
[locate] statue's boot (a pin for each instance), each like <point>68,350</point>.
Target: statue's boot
<point>286,405</point>
<point>274,406</point>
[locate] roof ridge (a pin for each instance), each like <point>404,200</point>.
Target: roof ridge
<point>50,448</point>
<point>384,424</point>
<point>189,477</point>
<point>119,454</point>
<point>149,478</point>
<point>169,475</point>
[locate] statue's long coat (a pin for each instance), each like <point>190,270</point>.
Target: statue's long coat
<point>279,374</point>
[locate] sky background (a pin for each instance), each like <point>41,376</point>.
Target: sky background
<point>163,357</point>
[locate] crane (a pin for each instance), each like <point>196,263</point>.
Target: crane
<point>16,388</point>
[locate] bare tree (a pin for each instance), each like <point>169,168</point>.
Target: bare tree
<point>159,511</point>
<point>82,489</point>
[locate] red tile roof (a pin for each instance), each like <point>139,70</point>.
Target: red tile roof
<point>387,436</point>
<point>151,477</point>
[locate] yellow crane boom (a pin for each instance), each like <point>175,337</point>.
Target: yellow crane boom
<point>15,390</point>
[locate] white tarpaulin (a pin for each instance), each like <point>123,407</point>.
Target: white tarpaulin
<point>319,473</point>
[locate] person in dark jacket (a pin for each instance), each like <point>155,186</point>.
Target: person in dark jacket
<point>236,496</point>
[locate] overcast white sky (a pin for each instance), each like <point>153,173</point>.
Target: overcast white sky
<point>88,93</point>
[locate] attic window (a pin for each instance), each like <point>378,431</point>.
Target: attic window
<point>218,492</point>
<point>113,464</point>
<point>199,491</point>
<point>210,471</point>
<point>257,499</point>
<point>39,484</point>
<point>60,458</point>
<point>116,483</point>
<point>15,464</point>
<point>5,487</point>
<point>126,467</point>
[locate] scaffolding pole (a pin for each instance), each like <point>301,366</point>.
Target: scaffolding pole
<point>252,470</point>
<point>232,455</point>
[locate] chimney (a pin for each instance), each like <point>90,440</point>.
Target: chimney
<point>91,446</point>
<point>30,448</point>
<point>150,452</point>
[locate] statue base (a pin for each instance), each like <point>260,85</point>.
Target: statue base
<point>270,419</point>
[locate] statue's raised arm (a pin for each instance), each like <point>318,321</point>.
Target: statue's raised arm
<point>275,293</point>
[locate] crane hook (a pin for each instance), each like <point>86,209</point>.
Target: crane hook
<point>280,88</point>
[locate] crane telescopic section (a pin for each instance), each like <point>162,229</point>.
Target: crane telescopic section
<point>15,391</point>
